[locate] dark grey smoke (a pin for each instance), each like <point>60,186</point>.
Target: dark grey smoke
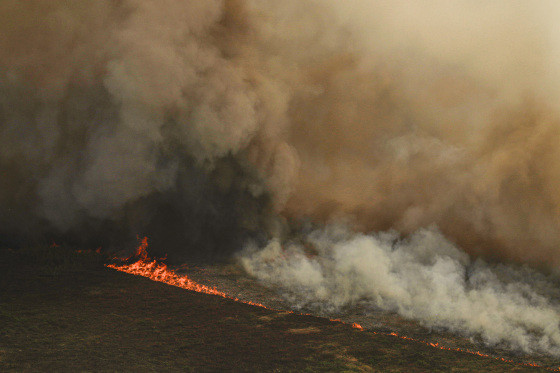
<point>120,118</point>
<point>204,122</point>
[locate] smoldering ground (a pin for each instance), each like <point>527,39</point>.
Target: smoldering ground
<point>423,277</point>
<point>204,124</point>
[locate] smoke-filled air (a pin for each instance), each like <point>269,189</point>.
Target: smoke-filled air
<point>265,126</point>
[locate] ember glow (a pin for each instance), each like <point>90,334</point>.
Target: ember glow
<point>424,277</point>
<point>472,352</point>
<point>430,132</point>
<point>157,271</point>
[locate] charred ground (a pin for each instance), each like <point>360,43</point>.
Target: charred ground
<point>61,310</point>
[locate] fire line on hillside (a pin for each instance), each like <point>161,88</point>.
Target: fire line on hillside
<point>157,271</point>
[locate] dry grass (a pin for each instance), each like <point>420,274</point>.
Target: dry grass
<point>63,311</point>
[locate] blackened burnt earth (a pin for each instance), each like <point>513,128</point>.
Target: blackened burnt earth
<point>233,280</point>
<point>66,312</point>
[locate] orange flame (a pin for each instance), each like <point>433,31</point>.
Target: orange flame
<point>357,326</point>
<point>159,272</point>
<point>472,352</point>
<point>142,250</point>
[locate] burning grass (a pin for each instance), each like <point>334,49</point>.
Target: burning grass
<point>152,269</point>
<point>157,271</point>
<point>86,317</point>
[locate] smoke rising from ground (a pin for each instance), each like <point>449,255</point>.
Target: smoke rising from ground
<point>224,115</point>
<point>424,277</point>
<point>203,123</point>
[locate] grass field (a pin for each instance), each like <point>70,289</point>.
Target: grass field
<point>61,310</point>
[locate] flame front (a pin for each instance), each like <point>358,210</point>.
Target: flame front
<point>159,272</point>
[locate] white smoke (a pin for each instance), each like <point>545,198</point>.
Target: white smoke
<point>424,277</point>
<point>230,115</point>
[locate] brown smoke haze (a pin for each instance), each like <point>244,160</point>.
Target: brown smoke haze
<point>386,114</point>
<point>441,114</point>
<point>210,124</point>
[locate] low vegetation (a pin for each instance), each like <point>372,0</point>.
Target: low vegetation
<point>62,310</point>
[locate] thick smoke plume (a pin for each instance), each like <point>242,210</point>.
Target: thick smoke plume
<point>206,123</point>
<point>129,117</point>
<point>424,277</point>
<point>158,117</point>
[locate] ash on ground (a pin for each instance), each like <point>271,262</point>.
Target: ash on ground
<point>233,280</point>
